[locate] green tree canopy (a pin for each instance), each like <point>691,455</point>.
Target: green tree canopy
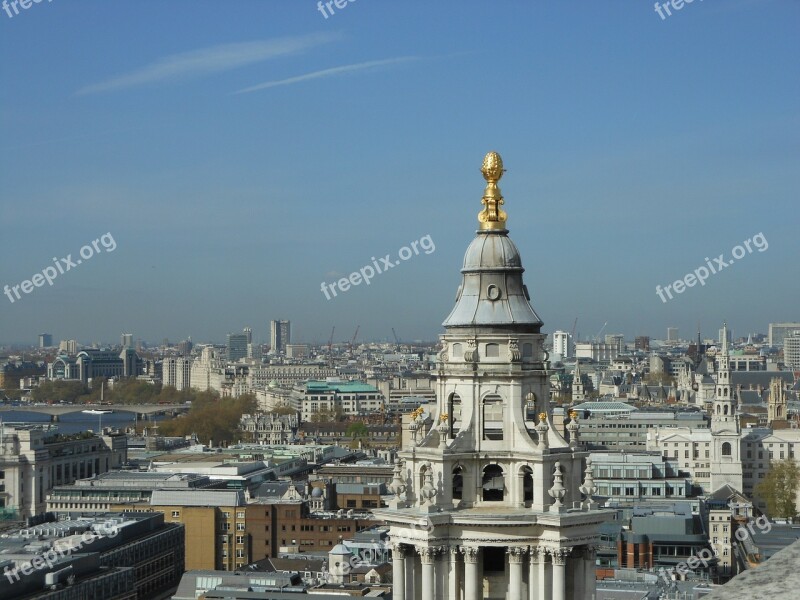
<point>779,489</point>
<point>212,418</point>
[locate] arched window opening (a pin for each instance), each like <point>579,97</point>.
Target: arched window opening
<point>527,484</point>
<point>718,408</point>
<point>492,350</point>
<point>725,410</point>
<point>726,449</point>
<point>458,483</point>
<point>458,351</point>
<point>493,483</point>
<point>454,413</point>
<point>778,411</point>
<point>493,417</point>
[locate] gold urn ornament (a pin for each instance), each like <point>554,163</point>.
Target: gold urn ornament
<point>492,216</point>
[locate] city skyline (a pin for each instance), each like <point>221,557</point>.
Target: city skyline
<point>238,163</point>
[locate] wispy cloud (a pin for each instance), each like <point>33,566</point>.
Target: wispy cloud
<point>372,64</point>
<point>207,61</point>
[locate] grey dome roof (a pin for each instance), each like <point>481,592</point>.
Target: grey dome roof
<point>316,492</point>
<point>492,252</point>
<point>492,294</point>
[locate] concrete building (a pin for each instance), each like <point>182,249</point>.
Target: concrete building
<point>237,346</point>
<point>336,396</point>
<point>114,557</point>
<point>562,344</point>
<point>629,430</point>
<point>672,334</point>
<point>778,331</point>
<point>126,340</point>
<point>280,336</point>
<point>45,340</point>
<point>596,352</point>
<point>177,372</point>
<point>791,351</point>
<point>487,504</point>
<point>208,370</point>
<point>33,459</point>
<point>89,364</point>
<point>633,477</point>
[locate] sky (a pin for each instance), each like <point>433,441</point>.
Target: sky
<point>237,155</point>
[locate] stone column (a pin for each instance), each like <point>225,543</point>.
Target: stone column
<point>533,573</point>
<point>428,558</point>
<point>559,556</point>
<point>545,574</point>
<point>589,576</point>
<point>452,574</point>
<point>473,582</point>
<point>399,572</point>
<point>516,556</point>
<point>577,561</point>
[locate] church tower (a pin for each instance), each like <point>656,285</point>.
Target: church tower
<point>726,463</point>
<point>578,391</point>
<point>489,503</point>
<point>777,404</point>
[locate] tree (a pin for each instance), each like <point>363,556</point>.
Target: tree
<point>212,418</point>
<point>779,489</point>
<point>357,430</point>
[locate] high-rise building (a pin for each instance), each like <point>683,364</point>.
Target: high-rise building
<point>672,334</point>
<point>280,335</point>
<point>69,347</point>
<point>487,501</point>
<point>728,336</point>
<point>126,340</point>
<point>45,340</point>
<point>248,331</point>
<point>778,331</point>
<point>237,346</point>
<point>617,340</point>
<point>642,342</point>
<point>562,344</point>
<point>791,351</point>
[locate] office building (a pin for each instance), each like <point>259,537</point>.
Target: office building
<point>672,334</point>
<point>642,342</point>
<point>791,351</point>
<point>126,340</point>
<point>34,458</point>
<point>45,340</point>
<point>237,346</point>
<point>562,344</point>
<point>280,336</point>
<point>778,331</point>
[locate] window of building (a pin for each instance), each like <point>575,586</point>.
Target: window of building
<point>726,449</point>
<point>493,483</point>
<point>176,514</point>
<point>458,483</point>
<point>493,417</point>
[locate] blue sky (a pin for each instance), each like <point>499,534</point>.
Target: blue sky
<point>241,153</point>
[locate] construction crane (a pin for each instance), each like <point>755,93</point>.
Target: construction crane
<point>330,345</point>
<point>574,325</point>
<point>353,341</point>
<point>396,339</point>
<point>602,329</point>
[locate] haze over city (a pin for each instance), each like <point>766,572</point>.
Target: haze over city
<point>240,155</point>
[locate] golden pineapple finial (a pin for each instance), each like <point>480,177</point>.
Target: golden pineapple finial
<point>543,416</point>
<point>443,417</point>
<point>492,216</point>
<point>573,414</point>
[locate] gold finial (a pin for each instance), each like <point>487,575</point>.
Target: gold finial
<point>416,413</point>
<point>573,414</point>
<point>492,216</point>
<point>542,416</point>
<point>443,417</point>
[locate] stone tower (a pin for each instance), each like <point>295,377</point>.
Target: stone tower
<point>726,433</point>
<point>490,503</point>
